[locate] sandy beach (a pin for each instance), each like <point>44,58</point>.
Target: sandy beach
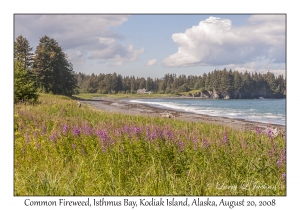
<point>124,107</point>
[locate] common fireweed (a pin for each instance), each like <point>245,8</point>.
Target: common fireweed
<point>81,151</point>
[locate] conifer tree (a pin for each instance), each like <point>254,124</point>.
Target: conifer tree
<point>54,72</point>
<point>22,52</point>
<point>24,85</point>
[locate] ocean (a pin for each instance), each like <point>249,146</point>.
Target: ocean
<point>257,110</point>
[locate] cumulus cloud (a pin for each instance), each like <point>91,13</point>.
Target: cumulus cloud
<point>216,42</point>
<point>151,62</point>
<point>81,36</point>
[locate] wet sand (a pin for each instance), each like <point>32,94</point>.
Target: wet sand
<point>124,107</point>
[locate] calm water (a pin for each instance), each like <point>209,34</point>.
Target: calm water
<point>267,110</point>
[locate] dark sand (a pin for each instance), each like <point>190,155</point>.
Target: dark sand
<point>119,106</point>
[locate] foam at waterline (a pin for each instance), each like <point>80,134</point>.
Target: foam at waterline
<point>182,107</point>
<point>247,114</point>
<point>161,104</point>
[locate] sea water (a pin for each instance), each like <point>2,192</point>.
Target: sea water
<point>258,110</point>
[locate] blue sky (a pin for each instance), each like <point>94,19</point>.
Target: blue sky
<point>153,45</point>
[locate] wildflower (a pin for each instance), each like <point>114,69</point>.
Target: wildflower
<point>195,143</point>
<point>258,130</point>
<point>73,146</point>
<point>87,130</point>
<point>65,129</point>
<point>159,133</point>
<point>126,129</point>
<point>54,136</point>
<point>76,131</point>
<point>152,136</point>
<point>205,144</point>
<point>118,132</point>
<point>282,158</point>
<point>44,129</point>
<point>270,133</point>
<point>137,130</point>
<point>181,145</point>
<point>283,176</point>
<point>225,138</point>
<point>168,134</point>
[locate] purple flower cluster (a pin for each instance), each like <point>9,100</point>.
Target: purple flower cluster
<point>205,144</point>
<point>87,130</point>
<point>137,130</point>
<point>181,145</point>
<point>258,130</point>
<point>44,129</point>
<point>270,133</point>
<point>282,158</point>
<point>65,129</point>
<point>76,131</point>
<point>53,137</point>
<point>104,138</point>
<point>225,139</point>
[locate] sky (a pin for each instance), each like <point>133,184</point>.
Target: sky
<point>152,45</point>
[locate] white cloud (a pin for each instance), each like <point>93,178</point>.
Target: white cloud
<point>217,42</point>
<point>151,62</point>
<point>259,67</point>
<point>82,36</point>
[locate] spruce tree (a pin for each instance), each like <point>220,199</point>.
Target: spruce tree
<point>54,72</point>
<point>22,52</point>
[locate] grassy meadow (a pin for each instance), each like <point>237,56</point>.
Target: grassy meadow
<point>61,149</point>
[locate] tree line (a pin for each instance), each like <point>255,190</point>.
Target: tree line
<point>217,80</point>
<point>46,70</point>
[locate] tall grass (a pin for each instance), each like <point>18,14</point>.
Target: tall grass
<point>61,149</point>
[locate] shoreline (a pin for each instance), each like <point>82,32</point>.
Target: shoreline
<point>118,105</point>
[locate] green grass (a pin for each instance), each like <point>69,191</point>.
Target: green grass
<point>117,154</point>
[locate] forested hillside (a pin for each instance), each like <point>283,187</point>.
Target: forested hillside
<point>216,84</point>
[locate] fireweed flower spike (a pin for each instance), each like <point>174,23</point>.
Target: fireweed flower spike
<point>225,139</point>
<point>270,133</point>
<point>53,137</point>
<point>76,131</point>
<point>258,130</point>
<point>65,129</point>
